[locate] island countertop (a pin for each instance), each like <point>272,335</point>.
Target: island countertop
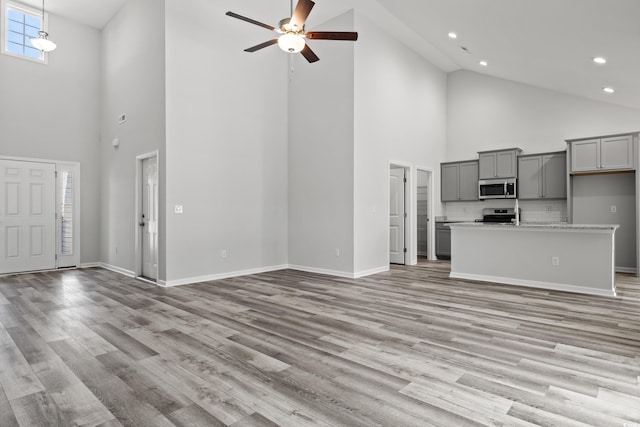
<point>538,226</point>
<point>557,256</point>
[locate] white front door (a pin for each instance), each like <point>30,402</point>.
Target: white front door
<point>397,216</point>
<point>149,218</point>
<point>27,216</point>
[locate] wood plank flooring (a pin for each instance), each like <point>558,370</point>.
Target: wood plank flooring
<point>409,347</point>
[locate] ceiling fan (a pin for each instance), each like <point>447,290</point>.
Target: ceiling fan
<point>293,36</point>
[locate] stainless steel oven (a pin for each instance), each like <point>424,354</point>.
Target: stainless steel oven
<point>497,188</point>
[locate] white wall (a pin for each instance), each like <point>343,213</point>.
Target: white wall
<point>486,113</point>
<point>133,84</point>
<point>321,121</point>
<point>593,197</point>
<point>52,112</point>
<point>400,115</point>
<point>226,141</point>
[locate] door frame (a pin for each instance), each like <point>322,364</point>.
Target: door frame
<point>410,237</point>
<point>431,240</point>
<point>138,212</point>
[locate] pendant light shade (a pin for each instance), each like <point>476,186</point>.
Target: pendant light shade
<point>42,42</point>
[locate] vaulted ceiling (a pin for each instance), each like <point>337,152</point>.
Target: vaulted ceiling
<point>545,43</point>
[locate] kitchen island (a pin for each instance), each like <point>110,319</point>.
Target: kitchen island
<point>566,257</point>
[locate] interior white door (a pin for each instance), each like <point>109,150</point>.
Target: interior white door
<point>397,216</point>
<point>149,218</point>
<point>27,216</point>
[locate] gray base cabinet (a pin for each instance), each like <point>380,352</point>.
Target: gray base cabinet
<point>542,176</point>
<point>459,181</point>
<point>602,154</point>
<point>443,241</point>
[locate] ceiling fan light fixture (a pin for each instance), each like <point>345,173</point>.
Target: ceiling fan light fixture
<point>42,42</point>
<point>292,36</point>
<point>291,42</point>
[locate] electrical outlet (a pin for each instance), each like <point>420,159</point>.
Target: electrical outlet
<point>223,253</point>
<point>555,260</point>
<point>337,251</point>
<point>613,209</point>
<point>179,209</point>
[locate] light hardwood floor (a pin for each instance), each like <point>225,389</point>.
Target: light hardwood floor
<point>409,347</point>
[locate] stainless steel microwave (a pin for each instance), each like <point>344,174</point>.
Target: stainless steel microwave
<point>504,188</point>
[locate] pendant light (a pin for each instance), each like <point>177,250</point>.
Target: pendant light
<point>42,42</point>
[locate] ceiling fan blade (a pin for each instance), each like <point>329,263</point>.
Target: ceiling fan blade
<point>332,35</point>
<point>249,20</point>
<point>309,55</point>
<point>301,13</point>
<point>262,45</point>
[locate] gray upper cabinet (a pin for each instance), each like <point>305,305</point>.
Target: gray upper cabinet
<point>459,181</point>
<point>542,176</point>
<point>498,164</point>
<point>602,154</point>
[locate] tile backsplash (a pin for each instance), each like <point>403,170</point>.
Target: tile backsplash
<point>531,210</point>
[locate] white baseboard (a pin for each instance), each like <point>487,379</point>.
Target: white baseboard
<point>207,278</point>
<point>626,270</point>
<point>343,274</point>
<point>335,273</point>
<point>90,265</point>
<point>120,270</point>
<point>535,284</point>
<point>231,274</point>
<point>371,272</point>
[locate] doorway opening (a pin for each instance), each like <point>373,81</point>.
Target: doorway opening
<point>146,241</point>
<point>425,243</point>
<point>398,218</point>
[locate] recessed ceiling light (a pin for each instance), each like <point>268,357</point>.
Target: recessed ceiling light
<point>600,60</point>
<point>484,63</point>
<point>609,89</point>
<point>453,35</point>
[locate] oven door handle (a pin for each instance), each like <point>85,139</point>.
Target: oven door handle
<point>505,190</point>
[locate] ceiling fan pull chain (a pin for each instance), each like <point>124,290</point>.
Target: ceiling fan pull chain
<point>292,70</point>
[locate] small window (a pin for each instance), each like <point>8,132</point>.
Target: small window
<point>19,24</point>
